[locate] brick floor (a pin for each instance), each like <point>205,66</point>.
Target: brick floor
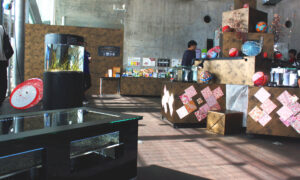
<point>166,153</point>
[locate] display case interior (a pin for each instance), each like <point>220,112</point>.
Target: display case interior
<point>61,57</point>
<point>64,52</point>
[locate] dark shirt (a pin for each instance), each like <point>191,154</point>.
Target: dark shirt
<point>86,64</point>
<point>188,58</point>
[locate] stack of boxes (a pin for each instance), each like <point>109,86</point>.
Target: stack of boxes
<point>243,21</point>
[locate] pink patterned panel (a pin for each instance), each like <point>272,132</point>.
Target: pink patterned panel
<point>296,124</point>
<point>285,113</point>
<point>204,109</point>
<point>211,101</point>
<point>285,98</point>
<point>191,91</point>
<point>185,99</point>
<point>200,115</point>
<point>265,120</point>
<point>206,92</point>
<point>256,114</point>
<point>268,106</point>
<point>200,101</point>
<point>294,107</point>
<point>218,93</point>
<point>262,95</point>
<point>216,107</point>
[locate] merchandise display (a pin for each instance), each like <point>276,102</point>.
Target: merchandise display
<point>204,53</point>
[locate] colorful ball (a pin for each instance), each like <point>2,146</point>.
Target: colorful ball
<point>260,79</point>
<point>233,52</point>
<point>251,48</point>
<point>226,29</point>
<point>205,76</point>
<point>261,27</point>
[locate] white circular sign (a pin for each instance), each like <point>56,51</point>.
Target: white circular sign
<point>24,96</point>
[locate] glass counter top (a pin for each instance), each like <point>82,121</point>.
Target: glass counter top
<point>58,120</point>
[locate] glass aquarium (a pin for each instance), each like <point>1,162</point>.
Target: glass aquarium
<point>64,52</point>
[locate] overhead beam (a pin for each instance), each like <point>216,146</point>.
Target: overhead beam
<point>35,13</point>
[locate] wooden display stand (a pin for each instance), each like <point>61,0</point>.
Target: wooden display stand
<point>236,70</point>
<point>177,89</point>
<point>244,19</point>
<point>275,127</point>
<point>236,40</point>
<point>109,86</point>
<point>225,122</point>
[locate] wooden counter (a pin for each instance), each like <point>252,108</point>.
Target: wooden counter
<point>177,89</point>
<point>131,86</point>
<point>275,126</point>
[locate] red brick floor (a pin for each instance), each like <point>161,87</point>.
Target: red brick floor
<point>168,153</point>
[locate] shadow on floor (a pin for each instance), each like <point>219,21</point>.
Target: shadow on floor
<point>161,173</point>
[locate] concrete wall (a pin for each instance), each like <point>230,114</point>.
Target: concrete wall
<point>162,28</point>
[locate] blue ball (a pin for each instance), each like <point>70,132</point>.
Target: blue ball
<point>251,48</point>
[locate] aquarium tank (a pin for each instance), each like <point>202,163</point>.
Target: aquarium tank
<point>64,52</point>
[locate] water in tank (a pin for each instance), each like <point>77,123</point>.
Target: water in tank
<point>64,52</point>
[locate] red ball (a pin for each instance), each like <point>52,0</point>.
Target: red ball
<point>260,79</point>
<point>226,29</point>
<point>278,55</point>
<point>246,5</point>
<point>233,52</point>
<point>265,54</point>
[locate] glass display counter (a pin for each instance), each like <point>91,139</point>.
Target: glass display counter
<point>68,143</point>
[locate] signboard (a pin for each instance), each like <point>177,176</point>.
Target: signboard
<point>109,51</point>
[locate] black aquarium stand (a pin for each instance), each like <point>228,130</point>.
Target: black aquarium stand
<point>63,89</point>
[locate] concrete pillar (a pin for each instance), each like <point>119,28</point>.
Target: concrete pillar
<point>20,41</point>
<point>1,12</point>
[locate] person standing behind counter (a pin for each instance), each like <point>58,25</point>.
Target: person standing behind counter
<point>190,54</point>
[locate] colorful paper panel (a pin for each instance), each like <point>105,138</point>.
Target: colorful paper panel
<point>191,107</point>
